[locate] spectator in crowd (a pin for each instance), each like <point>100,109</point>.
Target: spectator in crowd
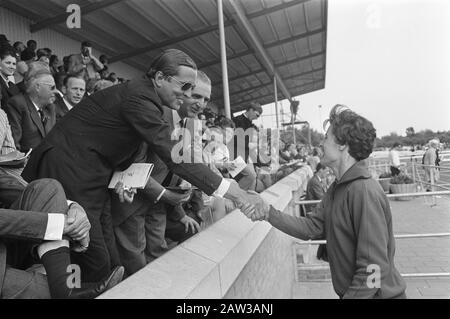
<point>32,45</point>
<point>394,159</point>
<point>4,41</point>
<point>314,159</point>
<point>7,146</point>
<point>354,215</point>
<point>102,84</point>
<point>32,115</point>
<point>84,64</point>
<point>39,226</point>
<point>104,60</point>
<point>429,160</point>
<point>19,47</point>
<point>7,69</point>
<point>54,65</point>
<point>83,150</point>
<point>316,187</point>
<point>19,75</point>
<point>43,56</point>
<point>112,77</point>
<point>244,131</point>
<point>73,91</point>
<point>27,56</point>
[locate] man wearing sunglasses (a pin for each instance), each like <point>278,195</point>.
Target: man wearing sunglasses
<point>104,133</point>
<point>32,114</point>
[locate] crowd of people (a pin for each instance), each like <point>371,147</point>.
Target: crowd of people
<point>75,125</point>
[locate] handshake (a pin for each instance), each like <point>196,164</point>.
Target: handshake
<point>249,202</point>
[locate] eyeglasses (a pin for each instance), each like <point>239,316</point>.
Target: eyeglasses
<point>257,114</point>
<point>51,86</point>
<point>185,86</point>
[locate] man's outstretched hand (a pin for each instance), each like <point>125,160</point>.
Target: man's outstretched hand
<point>249,202</point>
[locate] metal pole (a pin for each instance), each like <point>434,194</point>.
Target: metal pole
<point>276,100</point>
<point>304,202</point>
<point>223,57</point>
<point>400,236</point>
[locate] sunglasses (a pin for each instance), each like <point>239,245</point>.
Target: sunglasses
<point>185,86</point>
<point>257,114</point>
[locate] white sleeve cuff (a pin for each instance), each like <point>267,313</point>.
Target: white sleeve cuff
<point>55,227</point>
<point>223,188</point>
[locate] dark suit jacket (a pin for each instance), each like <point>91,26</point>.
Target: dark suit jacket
<point>244,123</point>
<point>61,108</point>
<point>26,125</point>
<point>314,191</point>
<point>7,92</point>
<point>102,134</point>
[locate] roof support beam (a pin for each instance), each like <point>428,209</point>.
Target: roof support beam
<point>237,108</point>
<point>266,46</point>
<point>271,82</point>
<point>248,30</point>
<point>63,16</point>
<point>197,33</point>
<point>278,65</point>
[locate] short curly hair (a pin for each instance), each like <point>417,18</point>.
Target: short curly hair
<point>353,130</point>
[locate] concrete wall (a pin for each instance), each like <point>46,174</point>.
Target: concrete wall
<point>233,258</point>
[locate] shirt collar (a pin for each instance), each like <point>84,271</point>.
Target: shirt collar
<point>69,106</point>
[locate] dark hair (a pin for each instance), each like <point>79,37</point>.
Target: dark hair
<point>224,122</point>
<point>30,42</point>
<point>354,130</point>
<point>66,60</point>
<point>7,50</point>
<point>169,61</point>
<point>255,106</point>
<point>103,58</point>
<point>27,54</point>
<point>319,167</point>
<point>16,44</point>
<point>42,52</point>
<point>53,58</point>
<point>86,44</point>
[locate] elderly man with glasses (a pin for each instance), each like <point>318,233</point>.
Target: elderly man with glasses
<point>104,133</point>
<point>32,114</point>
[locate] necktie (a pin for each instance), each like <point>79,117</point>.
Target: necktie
<point>41,114</point>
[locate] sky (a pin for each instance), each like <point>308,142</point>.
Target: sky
<point>388,60</point>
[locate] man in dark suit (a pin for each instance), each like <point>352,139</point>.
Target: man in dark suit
<point>104,132</point>
<point>244,132</point>
<point>37,227</point>
<point>32,115</point>
<point>73,91</point>
<point>316,185</point>
<point>142,225</point>
<point>7,67</point>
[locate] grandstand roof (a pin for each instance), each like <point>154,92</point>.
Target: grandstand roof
<point>291,33</point>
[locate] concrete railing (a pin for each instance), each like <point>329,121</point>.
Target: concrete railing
<point>233,258</point>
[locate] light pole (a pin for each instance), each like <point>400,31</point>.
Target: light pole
<point>320,115</point>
